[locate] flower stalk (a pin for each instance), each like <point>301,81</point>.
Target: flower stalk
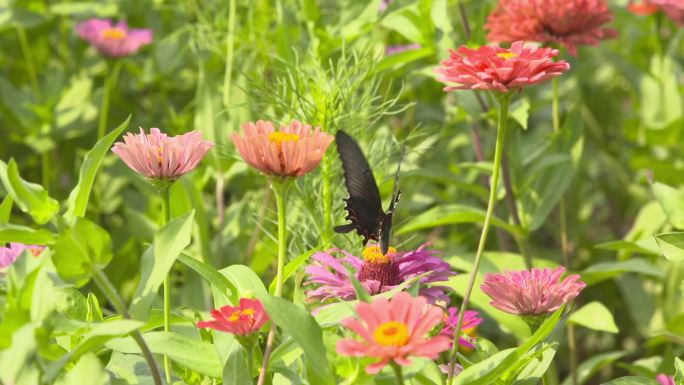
<point>504,102</point>
<point>164,194</point>
<point>398,373</point>
<point>113,70</point>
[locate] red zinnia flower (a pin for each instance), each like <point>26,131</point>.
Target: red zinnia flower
<point>566,22</point>
<point>242,320</point>
<point>500,69</point>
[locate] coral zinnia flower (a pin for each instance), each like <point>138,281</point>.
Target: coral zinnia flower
<point>113,40</point>
<point>471,320</point>
<point>242,320</point>
<point>532,292</point>
<point>499,69</point>
<point>566,22</point>
<point>644,8</point>
<point>664,379</point>
<point>161,157</point>
<point>292,151</point>
<point>376,272</point>
<point>394,330</point>
<point>9,254</point>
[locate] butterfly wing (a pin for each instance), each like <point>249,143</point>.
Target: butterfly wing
<point>364,207</point>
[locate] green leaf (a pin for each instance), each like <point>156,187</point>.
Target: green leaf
<point>31,198</point>
<point>595,316</point>
<point>27,235</point>
<point>520,112</point>
<point>605,270</point>
<point>193,354</point>
<point>6,209</point>
<point>672,202</point>
<point>235,371</point>
<point>245,280</point>
<point>660,91</point>
<point>632,380</point>
<point>450,214</point>
<point>77,203</point>
<point>361,293</point>
<point>592,365</point>
<point>291,268</point>
<point>493,368</point>
<point>211,275</point>
<point>679,367</point>
<point>672,246</point>
<point>80,250</point>
<point>169,243</point>
<point>299,324</point>
<point>88,370</point>
<point>539,361</point>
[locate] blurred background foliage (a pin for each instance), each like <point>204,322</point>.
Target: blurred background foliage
<point>324,62</point>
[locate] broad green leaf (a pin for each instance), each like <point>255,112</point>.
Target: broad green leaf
<point>31,198</point>
<point>193,354</point>
<point>16,359</point>
<point>632,380</point>
<point>157,261</point>
<point>245,280</point>
<point>605,270</point>
<point>642,247</point>
<point>235,370</point>
<point>211,275</point>
<point>592,365</point>
<point>450,214</point>
<point>88,370</point>
<point>23,234</point>
<point>672,245</point>
<point>595,316</point>
<point>291,267</point>
<point>660,91</point>
<point>299,324</point>
<point>80,250</point>
<point>129,369</point>
<point>679,367</point>
<point>6,209</point>
<point>533,371</point>
<point>520,112</point>
<point>672,202</point>
<point>80,195</point>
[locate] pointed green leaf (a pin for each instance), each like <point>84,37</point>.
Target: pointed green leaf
<point>31,198</point>
<point>595,316</point>
<point>80,250</point>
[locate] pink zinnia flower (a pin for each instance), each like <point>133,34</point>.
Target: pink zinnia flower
<point>499,69</point>
<point>444,368</point>
<point>242,320</point>
<point>566,22</point>
<point>395,49</point>
<point>113,40</point>
<point>394,330</point>
<point>664,379</point>
<point>471,320</point>
<point>377,273</point>
<point>532,292</point>
<point>673,8</point>
<point>9,254</point>
<point>292,151</point>
<point>161,157</point>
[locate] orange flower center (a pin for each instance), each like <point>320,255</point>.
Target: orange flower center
<point>373,254</point>
<point>114,34</point>
<point>391,333</point>
<point>237,314</point>
<point>279,137</point>
<point>507,55</point>
<point>35,251</point>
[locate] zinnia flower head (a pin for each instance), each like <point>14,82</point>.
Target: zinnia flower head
<point>162,157</point>
<point>292,151</point>
<point>499,69</point>
<point>566,22</point>
<point>674,9</point>
<point>113,40</point>
<point>471,320</point>
<point>664,379</point>
<point>394,330</point>
<point>242,320</point>
<point>643,8</point>
<point>531,292</point>
<point>376,272</point>
<point>10,253</point>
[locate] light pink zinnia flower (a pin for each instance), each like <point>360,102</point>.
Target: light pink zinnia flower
<point>566,22</point>
<point>377,273</point>
<point>113,40</point>
<point>395,49</point>
<point>532,292</point>
<point>499,69</point>
<point>292,151</point>
<point>242,320</point>
<point>161,157</point>
<point>471,320</point>
<point>664,379</point>
<point>674,9</point>
<point>394,330</point>
<point>9,254</point>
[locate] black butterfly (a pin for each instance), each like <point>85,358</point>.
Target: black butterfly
<point>364,207</point>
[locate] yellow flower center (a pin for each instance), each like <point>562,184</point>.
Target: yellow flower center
<point>235,316</point>
<point>373,254</point>
<point>507,55</point>
<point>35,251</point>
<point>391,333</point>
<point>279,137</point>
<point>114,33</point>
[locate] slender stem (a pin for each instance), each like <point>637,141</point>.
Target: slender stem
<point>326,170</point>
<point>28,57</point>
<point>250,353</point>
<point>164,194</point>
<point>267,355</point>
<point>45,169</point>
<point>504,101</point>
<point>108,289</point>
<point>398,373</point>
<point>110,81</point>
<point>464,20</point>
<point>556,106</point>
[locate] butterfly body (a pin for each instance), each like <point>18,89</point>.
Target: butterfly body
<point>363,206</point>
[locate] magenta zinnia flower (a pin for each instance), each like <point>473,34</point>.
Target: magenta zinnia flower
<point>161,157</point>
<point>292,151</point>
<point>664,379</point>
<point>499,69</point>
<point>10,253</point>
<point>471,320</point>
<point>534,292</point>
<point>376,272</point>
<point>113,40</point>
<point>566,22</point>
<point>242,320</point>
<point>394,330</point>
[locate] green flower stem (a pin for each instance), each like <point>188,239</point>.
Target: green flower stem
<point>113,70</point>
<point>250,353</point>
<point>28,57</point>
<point>504,101</point>
<point>164,194</point>
<point>110,292</point>
<point>398,373</point>
<point>326,170</point>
